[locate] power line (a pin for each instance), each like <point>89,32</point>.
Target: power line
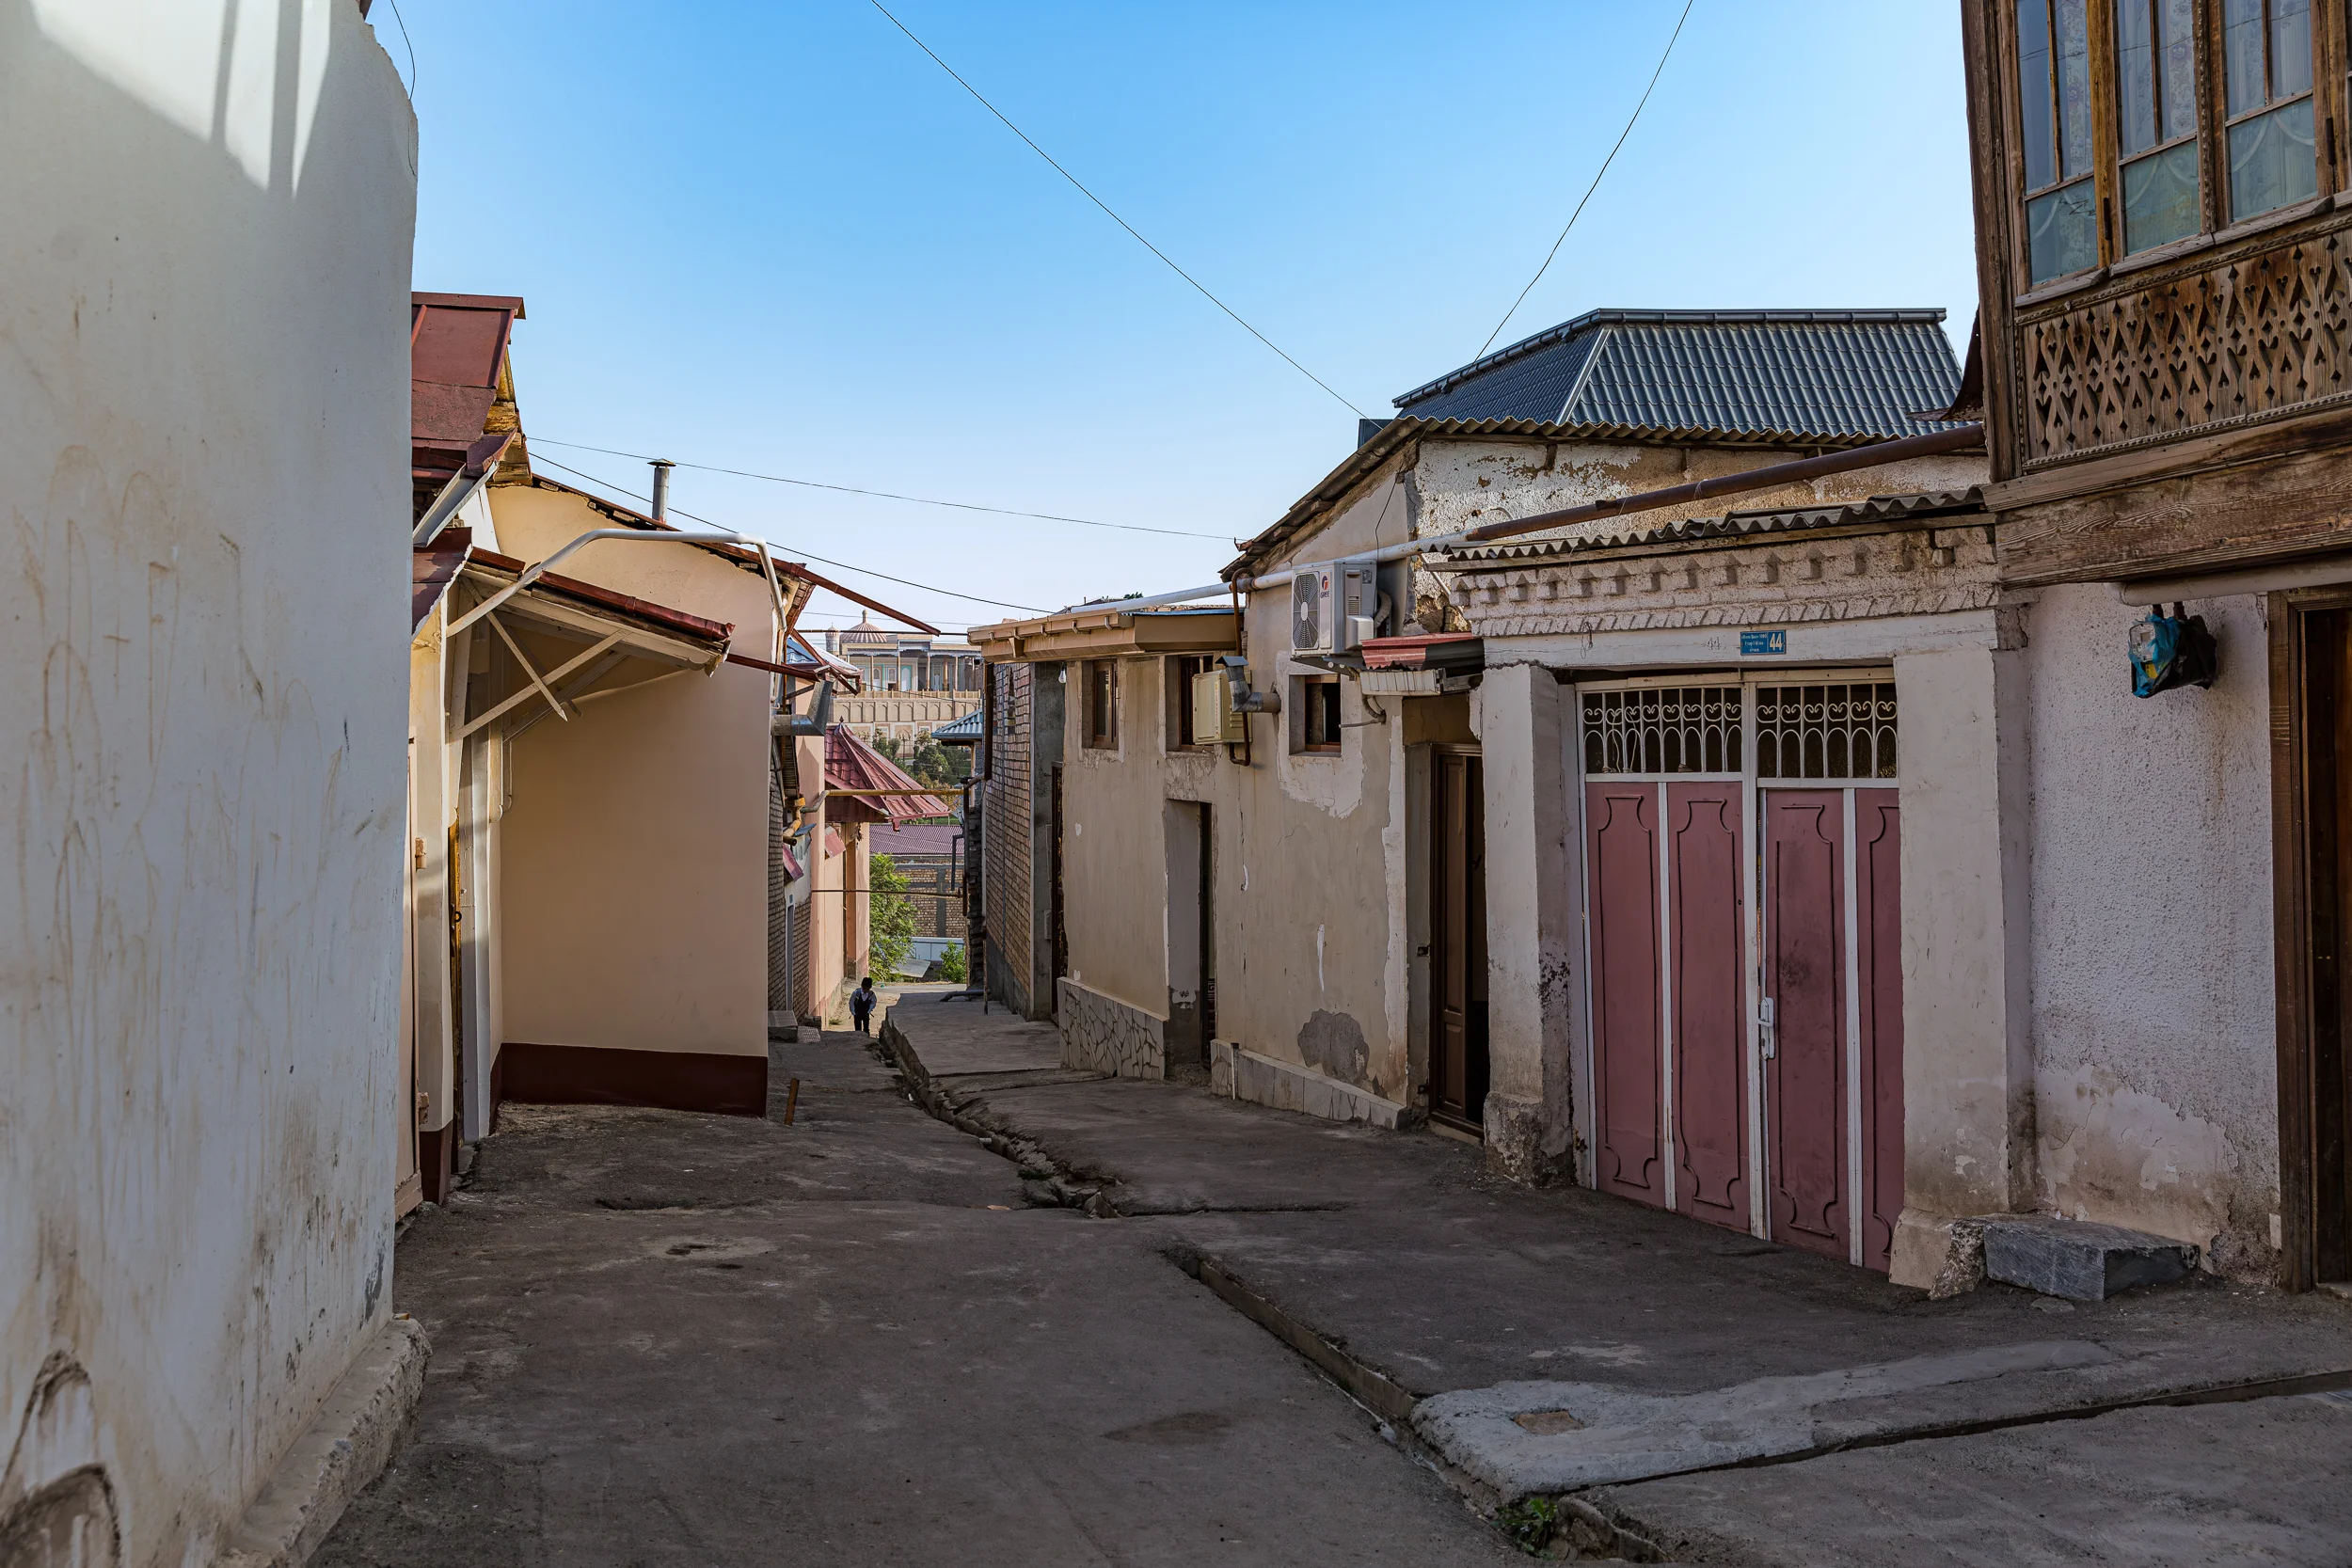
<point>886,494</point>
<point>862,571</point>
<point>1114,216</point>
<point>412,50</point>
<point>1589,189</point>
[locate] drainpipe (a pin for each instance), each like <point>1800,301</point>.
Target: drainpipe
<point>662,466</point>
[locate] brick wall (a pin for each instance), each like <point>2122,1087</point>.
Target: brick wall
<point>1005,871</point>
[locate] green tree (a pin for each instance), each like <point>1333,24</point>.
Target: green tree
<point>951,964</point>
<point>890,929</point>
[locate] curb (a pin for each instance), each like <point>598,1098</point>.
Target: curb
<point>355,1434</point>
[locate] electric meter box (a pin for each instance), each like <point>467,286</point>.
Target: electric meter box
<point>1213,719</point>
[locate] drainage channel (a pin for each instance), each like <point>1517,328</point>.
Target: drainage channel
<point>1545,1525</point>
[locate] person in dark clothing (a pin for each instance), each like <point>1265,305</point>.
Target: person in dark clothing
<point>862,1005</point>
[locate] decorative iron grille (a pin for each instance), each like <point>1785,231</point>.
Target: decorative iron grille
<point>1662,729</point>
<point>1825,732</point>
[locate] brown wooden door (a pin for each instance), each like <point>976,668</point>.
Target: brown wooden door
<point>1628,1041</point>
<point>2316,1087</point>
<point>1707,1025</point>
<point>1457,959</point>
<point>1805,1075</point>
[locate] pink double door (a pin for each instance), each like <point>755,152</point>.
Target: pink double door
<point>1747,1064</point>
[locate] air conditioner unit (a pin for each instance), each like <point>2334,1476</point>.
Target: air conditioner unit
<point>1326,599</point>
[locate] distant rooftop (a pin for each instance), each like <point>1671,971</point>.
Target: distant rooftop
<point>1814,372</point>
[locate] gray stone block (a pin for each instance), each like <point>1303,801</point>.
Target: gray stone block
<point>2078,1259</point>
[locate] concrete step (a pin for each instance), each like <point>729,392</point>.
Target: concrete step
<point>2078,1259</point>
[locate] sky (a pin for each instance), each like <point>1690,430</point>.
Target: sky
<point>780,238</point>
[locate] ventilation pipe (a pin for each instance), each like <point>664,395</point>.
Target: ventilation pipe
<point>662,466</point>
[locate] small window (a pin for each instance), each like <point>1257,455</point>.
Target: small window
<point>2157,104</point>
<point>1319,713</point>
<point>1101,676</point>
<point>2054,104</point>
<point>1182,668</point>
<point>2266,76</point>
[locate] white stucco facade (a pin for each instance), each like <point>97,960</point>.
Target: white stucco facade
<point>203,361</point>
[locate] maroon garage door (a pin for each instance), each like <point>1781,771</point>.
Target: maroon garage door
<point>1729,1056</point>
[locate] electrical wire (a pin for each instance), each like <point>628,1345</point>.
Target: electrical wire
<point>862,571</point>
<point>886,494</point>
<point>1114,216</point>
<point>1589,189</point>
<point>412,49</point>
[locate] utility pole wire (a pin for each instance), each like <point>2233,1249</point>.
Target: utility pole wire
<point>862,571</point>
<point>886,494</point>
<point>1589,189</point>
<point>1114,216</point>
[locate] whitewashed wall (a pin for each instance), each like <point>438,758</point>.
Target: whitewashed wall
<point>203,429</point>
<point>2155,1067</point>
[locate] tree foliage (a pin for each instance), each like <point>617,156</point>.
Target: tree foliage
<point>890,929</point>
<point>929,761</point>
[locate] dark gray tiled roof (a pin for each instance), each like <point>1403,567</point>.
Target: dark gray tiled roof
<point>1814,372</point>
<point>1877,509</point>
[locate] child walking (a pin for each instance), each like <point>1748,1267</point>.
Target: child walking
<point>862,1005</point>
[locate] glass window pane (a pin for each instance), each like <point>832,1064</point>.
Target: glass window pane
<point>2272,161</point>
<point>2160,198</point>
<point>2290,47</point>
<point>2242,55</point>
<point>2074,38</point>
<point>2060,234</point>
<point>2033,91</point>
<point>2135,75</point>
<point>2176,65</point>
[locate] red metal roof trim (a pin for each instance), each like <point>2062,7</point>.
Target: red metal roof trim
<point>851,764</point>
<point>683,622</point>
<point>432,569</point>
<point>1422,652</point>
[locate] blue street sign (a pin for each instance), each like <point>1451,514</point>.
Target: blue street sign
<point>1753,643</point>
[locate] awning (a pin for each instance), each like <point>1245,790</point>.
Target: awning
<point>432,569</point>
<point>863,785</point>
<point>563,640</point>
<point>1110,634</point>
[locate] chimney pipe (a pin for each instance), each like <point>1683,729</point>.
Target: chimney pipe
<point>662,466</point>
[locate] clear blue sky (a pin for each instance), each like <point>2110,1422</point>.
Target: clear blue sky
<point>778,238</point>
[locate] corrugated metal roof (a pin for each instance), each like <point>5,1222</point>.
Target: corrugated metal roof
<point>851,764</point>
<point>1780,372</point>
<point>960,732</point>
<point>1878,509</point>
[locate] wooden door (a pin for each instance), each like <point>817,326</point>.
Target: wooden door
<point>1805,987</point>
<point>2313,750</point>
<point>1457,958</point>
<point>1879,984</point>
<point>1629,1040</point>
<point>1708,1026</point>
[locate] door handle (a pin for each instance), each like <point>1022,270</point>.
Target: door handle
<point>1764,1028</point>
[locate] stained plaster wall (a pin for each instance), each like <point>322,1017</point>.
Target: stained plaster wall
<point>1307,854</point>
<point>2154,1066</point>
<point>203,360</point>
<point>632,839</point>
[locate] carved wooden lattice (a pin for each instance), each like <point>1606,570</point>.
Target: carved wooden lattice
<point>2223,341</point>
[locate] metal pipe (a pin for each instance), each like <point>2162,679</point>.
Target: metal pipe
<point>662,466</point>
<point>538,569</point>
<point>1772,476</point>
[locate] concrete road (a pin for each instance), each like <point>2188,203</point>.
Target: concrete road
<point>665,1339</point>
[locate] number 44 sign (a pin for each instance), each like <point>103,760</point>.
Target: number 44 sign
<point>1752,643</point>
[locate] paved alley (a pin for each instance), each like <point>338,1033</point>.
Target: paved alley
<point>663,1337</point>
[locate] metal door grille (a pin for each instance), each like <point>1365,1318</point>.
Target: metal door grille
<point>1664,730</point>
<point>1839,731</point>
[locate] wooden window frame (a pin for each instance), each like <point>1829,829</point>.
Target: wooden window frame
<point>1179,669</point>
<point>2332,62</point>
<point>1308,745</point>
<point>1106,737</point>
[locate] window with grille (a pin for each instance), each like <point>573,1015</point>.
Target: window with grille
<point>1825,732</point>
<point>1662,729</point>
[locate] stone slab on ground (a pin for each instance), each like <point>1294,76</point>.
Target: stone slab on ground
<point>957,1038</point>
<point>2260,1482</point>
<point>2077,1259</point>
<point>846,1342</point>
